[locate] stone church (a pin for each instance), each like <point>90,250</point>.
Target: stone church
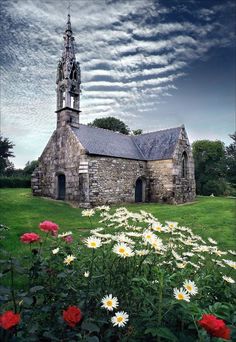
<point>93,166</point>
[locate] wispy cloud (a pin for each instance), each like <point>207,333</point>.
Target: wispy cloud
<point>130,52</point>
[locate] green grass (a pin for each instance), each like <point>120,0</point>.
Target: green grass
<point>208,217</point>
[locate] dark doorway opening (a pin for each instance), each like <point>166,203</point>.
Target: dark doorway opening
<point>61,187</point>
<point>139,190</point>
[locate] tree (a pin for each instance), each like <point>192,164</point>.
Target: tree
<point>30,166</point>
<point>112,124</point>
<point>6,147</point>
<point>210,168</point>
<point>231,161</point>
<point>137,131</point>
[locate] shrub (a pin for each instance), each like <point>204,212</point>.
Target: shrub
<point>216,187</point>
<point>134,279</point>
<point>15,182</point>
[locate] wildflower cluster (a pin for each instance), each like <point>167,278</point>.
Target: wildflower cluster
<point>131,278</point>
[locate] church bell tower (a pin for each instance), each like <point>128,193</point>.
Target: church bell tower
<point>68,83</point>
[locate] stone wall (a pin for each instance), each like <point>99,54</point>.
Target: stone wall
<point>161,180</point>
<point>61,156</point>
<point>94,180</point>
<point>112,180</point>
<point>167,183</point>
<point>184,187</point>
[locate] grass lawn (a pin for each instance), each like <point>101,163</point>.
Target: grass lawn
<point>21,212</point>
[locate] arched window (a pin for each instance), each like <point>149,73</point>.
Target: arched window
<point>140,189</point>
<point>184,162</point>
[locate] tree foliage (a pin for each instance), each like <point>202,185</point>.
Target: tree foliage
<point>231,160</point>
<point>30,166</point>
<point>112,124</point>
<point>137,131</point>
<point>6,147</point>
<point>210,167</point>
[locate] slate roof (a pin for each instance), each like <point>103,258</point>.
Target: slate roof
<point>149,146</point>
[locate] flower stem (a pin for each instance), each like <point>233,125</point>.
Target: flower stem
<point>12,287</point>
<point>89,279</point>
<point>159,316</point>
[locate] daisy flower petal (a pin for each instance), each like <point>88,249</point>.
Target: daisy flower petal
<point>120,319</point>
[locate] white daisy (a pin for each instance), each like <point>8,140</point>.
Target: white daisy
<point>123,250</point>
<point>148,236</point>
<point>157,244</point>
<point>172,225</point>
<point>229,279</point>
<point>103,208</point>
<point>86,274</point>
<point>230,263</point>
<point>142,252</point>
<point>181,294</point>
<point>109,302</point>
<point>157,226</point>
<point>88,212</point>
<point>120,319</point>
<point>212,241</point>
<point>64,234</point>
<point>123,238</point>
<point>55,251</point>
<point>181,264</point>
<point>69,259</point>
<point>176,255</point>
<point>190,287</point>
<point>93,242</point>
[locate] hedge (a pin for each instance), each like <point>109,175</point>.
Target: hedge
<point>15,182</point>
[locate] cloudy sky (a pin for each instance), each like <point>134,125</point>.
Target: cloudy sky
<point>154,64</point>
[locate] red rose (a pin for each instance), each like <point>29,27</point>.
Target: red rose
<point>48,226</point>
<point>9,319</point>
<point>29,238</point>
<point>215,326</point>
<point>72,316</point>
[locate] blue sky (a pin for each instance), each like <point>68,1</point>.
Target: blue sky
<point>154,64</point>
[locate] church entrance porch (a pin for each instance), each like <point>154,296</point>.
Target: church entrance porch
<point>140,190</point>
<point>61,186</point>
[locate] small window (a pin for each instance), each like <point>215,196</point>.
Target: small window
<point>184,165</point>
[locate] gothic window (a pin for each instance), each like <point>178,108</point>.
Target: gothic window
<point>184,162</point>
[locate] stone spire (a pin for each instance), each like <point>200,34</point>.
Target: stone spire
<point>68,81</point>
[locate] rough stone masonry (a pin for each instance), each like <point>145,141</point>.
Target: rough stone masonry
<point>94,166</point>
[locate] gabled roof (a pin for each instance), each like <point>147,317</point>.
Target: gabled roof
<point>158,145</point>
<point>150,146</point>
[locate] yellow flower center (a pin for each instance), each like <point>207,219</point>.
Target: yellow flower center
<point>189,287</point>
<point>93,244</point>
<point>180,296</point>
<point>119,319</point>
<point>171,226</point>
<point>148,236</point>
<point>109,303</point>
<point>121,250</point>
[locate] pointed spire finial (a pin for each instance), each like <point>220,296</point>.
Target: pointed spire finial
<point>68,7</point>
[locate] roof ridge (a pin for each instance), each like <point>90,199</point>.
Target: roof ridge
<point>160,130</point>
<point>106,129</point>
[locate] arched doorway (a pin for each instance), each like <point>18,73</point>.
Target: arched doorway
<point>61,179</point>
<point>140,190</point>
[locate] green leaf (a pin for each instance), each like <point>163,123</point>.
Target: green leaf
<point>92,339</point>
<point>162,332</point>
<point>28,300</point>
<point>36,288</point>
<point>91,327</point>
